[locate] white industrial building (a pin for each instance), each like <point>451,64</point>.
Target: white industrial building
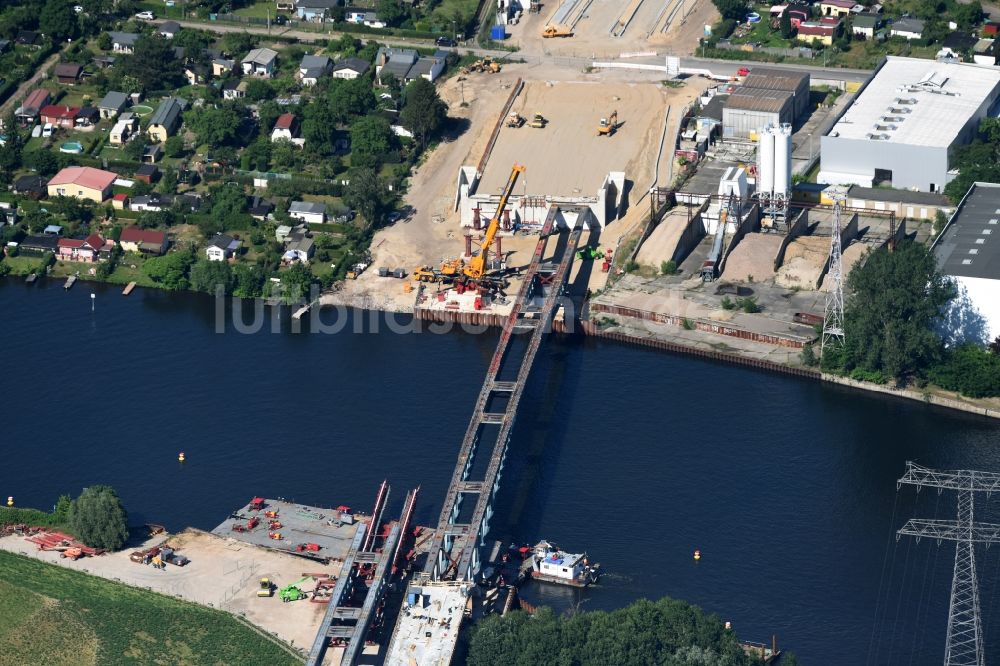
<point>968,251</point>
<point>902,128</point>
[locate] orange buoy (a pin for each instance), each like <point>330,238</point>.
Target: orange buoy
<point>697,555</point>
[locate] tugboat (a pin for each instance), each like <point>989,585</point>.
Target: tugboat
<point>551,565</point>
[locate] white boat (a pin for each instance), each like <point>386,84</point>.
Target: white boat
<point>552,565</point>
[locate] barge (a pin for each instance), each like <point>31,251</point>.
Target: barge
<point>549,564</point>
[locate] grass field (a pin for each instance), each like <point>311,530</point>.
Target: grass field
<point>53,615</point>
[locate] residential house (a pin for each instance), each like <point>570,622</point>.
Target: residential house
<point>124,130</point>
<point>812,33</point>
<point>907,28</point>
<point>151,153</point>
<point>838,8</point>
<point>147,173</point>
<point>865,25</point>
<point>60,116</point>
<point>354,16</point>
<point>315,10</point>
<point>170,28</point>
<point>349,68</point>
<point>166,119</point>
<point>260,62</point>
<point>87,116</point>
<point>372,20</point>
<point>425,68</point>
<point>405,65</point>
<point>52,230</point>
<point>123,42</point>
<point>33,187</point>
<point>112,104</point>
<point>310,212</point>
<point>196,73</point>
<point>146,241</point>
<point>38,245</point>
<point>234,89</point>
<point>153,202</point>
<point>260,208</point>
<point>286,128</point>
<point>222,66</point>
<point>103,62</point>
<point>221,247</point>
<point>32,105</point>
<point>68,73</point>
<point>82,183</point>
<point>984,52</point>
<point>91,249</point>
<point>28,38</point>
<point>313,68</point>
<point>299,248</point>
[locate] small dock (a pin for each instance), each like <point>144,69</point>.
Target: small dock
<point>31,279</point>
<point>128,289</point>
<point>302,311</point>
<point>70,281</point>
<point>766,653</point>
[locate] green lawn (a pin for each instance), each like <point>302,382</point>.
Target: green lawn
<point>259,10</point>
<point>23,265</point>
<point>53,615</point>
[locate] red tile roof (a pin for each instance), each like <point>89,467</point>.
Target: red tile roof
<point>817,30</point>
<point>137,235</point>
<point>71,242</point>
<point>285,121</point>
<point>53,111</point>
<point>121,196</point>
<point>843,4</point>
<point>88,177</point>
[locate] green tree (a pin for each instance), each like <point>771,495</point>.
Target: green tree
<point>214,126</point>
<point>735,10</point>
<point>237,44</point>
<point>104,42</point>
<point>785,25</point>
<point>366,194</point>
<point>247,280</point>
<point>351,97</point>
<point>42,161</point>
<point>295,284</point>
<point>152,64</point>
<point>346,45</point>
<point>207,276</point>
<point>99,519</point>
<point>423,112</point>
<point>59,20</point>
<point>319,127</point>
<point>12,151</point>
<point>62,508</point>
<point>371,139</point>
<point>896,300</point>
<point>174,146</point>
<point>259,89</point>
<point>390,11</point>
<point>171,270</point>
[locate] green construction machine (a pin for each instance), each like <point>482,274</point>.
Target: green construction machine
<point>293,591</point>
<point>590,253</point>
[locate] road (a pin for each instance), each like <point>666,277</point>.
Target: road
<point>723,67</point>
<point>22,90</point>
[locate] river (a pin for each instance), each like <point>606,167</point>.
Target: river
<point>787,486</point>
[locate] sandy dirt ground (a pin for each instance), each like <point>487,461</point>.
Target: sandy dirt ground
<point>805,258</point>
<point>754,256</point>
<point>662,243</point>
<point>223,573</point>
<point>568,157</point>
<point>596,35</point>
<point>850,258</point>
<point>429,233</point>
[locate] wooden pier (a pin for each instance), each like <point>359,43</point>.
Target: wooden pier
<point>128,289</point>
<point>31,279</point>
<point>70,281</point>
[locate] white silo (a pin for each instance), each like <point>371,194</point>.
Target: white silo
<point>783,160</point>
<point>765,161</point>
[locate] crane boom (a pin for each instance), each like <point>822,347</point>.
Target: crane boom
<point>477,265</point>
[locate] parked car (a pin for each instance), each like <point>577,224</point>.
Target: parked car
<point>146,16</point>
<point>36,131</point>
<point>47,130</point>
<point>280,19</point>
<point>445,41</point>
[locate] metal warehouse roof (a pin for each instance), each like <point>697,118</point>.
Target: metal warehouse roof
<point>918,102</point>
<point>970,245</point>
<point>756,99</point>
<point>769,78</point>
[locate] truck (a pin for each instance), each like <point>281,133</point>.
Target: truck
<point>557,30</point>
<point>294,591</point>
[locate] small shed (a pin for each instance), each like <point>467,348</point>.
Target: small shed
<point>147,173</point>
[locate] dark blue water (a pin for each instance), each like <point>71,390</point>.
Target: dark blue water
<point>786,486</point>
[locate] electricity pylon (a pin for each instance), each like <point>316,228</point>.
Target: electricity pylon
<point>964,646</point>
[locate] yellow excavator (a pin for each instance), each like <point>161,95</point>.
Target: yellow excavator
<point>608,125</point>
<point>455,270</point>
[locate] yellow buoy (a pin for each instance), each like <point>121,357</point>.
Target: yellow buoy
<point>729,625</point>
<point>697,555</point>
<point>180,457</point>
<point>10,501</point>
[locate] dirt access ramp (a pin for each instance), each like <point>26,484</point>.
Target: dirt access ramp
<point>609,28</point>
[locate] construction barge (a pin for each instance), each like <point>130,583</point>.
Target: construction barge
<point>547,563</point>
